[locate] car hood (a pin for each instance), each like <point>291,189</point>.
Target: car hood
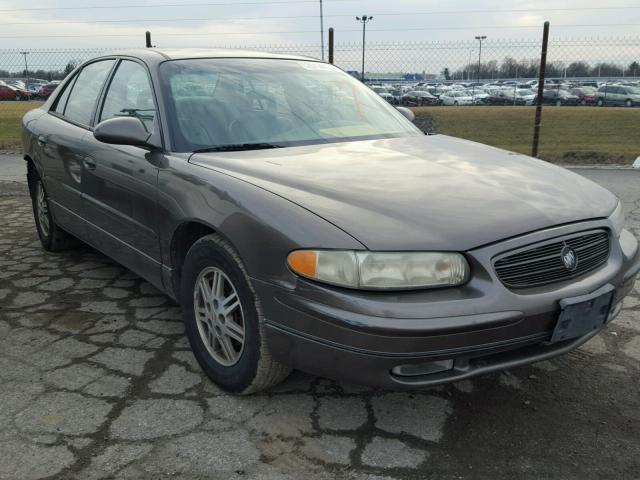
<point>417,193</point>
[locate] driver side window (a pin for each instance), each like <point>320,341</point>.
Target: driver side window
<point>130,95</point>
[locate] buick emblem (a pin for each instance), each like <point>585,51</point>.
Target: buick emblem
<point>569,258</point>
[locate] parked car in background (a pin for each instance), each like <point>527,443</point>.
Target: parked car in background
<point>558,97</point>
<point>34,85</point>
<point>9,92</point>
<point>618,95</point>
<point>384,93</point>
<point>456,97</point>
<point>419,99</point>
<point>587,95</point>
<point>478,95</point>
<point>524,96</point>
<point>341,240</point>
<point>47,90</point>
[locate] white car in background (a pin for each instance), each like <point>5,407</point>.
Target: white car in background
<point>456,98</point>
<point>478,95</point>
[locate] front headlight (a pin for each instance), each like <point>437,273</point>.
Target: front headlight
<point>381,270</point>
<point>617,219</point>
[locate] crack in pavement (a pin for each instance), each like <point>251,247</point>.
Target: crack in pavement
<point>97,381</point>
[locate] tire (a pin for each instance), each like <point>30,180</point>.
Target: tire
<point>455,104</point>
<point>52,237</point>
<point>240,367</point>
<point>18,97</point>
<point>600,102</point>
<point>558,103</point>
<point>628,103</point>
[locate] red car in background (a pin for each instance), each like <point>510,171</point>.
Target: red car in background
<point>47,90</point>
<point>587,95</point>
<point>8,92</point>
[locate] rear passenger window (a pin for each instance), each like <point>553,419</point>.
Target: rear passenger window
<point>84,94</point>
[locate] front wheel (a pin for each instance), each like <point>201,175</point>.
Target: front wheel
<point>18,97</point>
<point>558,103</point>
<point>223,319</point>
<point>628,103</point>
<point>600,103</point>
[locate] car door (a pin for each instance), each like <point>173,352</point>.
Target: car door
<point>60,144</point>
<point>120,181</point>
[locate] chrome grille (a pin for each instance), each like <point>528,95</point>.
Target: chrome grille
<point>541,263</point>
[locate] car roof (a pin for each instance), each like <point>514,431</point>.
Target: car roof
<point>155,55</point>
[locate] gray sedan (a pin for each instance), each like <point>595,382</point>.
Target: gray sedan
<point>303,222</point>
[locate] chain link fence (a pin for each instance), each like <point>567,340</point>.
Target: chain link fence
<point>478,72</point>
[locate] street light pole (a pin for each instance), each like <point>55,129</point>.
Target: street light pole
<point>321,30</point>
<point>473,91</point>
<point>26,73</point>
<point>364,19</point>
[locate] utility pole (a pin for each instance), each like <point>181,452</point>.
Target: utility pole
<point>26,74</point>
<point>473,91</point>
<point>364,20</point>
<point>321,30</point>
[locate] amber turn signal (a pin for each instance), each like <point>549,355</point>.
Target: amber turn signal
<point>303,262</point>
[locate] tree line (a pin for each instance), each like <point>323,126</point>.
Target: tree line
<point>41,73</point>
<point>512,68</point>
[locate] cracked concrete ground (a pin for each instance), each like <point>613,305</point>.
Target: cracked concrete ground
<point>97,381</point>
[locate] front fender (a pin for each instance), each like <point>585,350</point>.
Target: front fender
<point>262,226</point>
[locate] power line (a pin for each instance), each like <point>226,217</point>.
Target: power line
<point>162,5</point>
<point>279,17</point>
<point>160,34</point>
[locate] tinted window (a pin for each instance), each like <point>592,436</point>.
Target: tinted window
<point>130,94</point>
<point>85,92</point>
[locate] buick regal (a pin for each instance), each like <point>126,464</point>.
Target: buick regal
<point>303,222</point>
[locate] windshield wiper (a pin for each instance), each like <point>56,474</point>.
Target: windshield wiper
<point>238,147</point>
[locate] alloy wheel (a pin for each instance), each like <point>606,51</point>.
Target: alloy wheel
<point>219,316</point>
<point>42,210</point>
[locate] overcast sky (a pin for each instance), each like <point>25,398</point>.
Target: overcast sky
<point>231,23</point>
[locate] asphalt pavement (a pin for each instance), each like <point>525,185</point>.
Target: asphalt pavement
<point>97,381</point>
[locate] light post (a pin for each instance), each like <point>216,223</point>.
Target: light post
<point>473,91</point>
<point>321,30</point>
<point>364,20</point>
<point>26,74</point>
<point>469,65</point>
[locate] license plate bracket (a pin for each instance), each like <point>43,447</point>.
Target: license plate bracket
<point>580,315</point>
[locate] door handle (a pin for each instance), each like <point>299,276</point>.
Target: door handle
<point>89,164</point>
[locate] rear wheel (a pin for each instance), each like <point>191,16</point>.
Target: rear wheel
<point>223,319</point>
<point>558,103</point>
<point>628,103</point>
<point>52,237</point>
<point>18,97</point>
<point>600,102</point>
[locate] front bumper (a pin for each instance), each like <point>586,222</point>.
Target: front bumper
<point>424,338</point>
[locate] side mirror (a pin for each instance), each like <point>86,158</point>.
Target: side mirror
<point>124,131</point>
<point>407,113</point>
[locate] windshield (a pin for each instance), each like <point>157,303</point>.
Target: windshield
<point>230,101</point>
